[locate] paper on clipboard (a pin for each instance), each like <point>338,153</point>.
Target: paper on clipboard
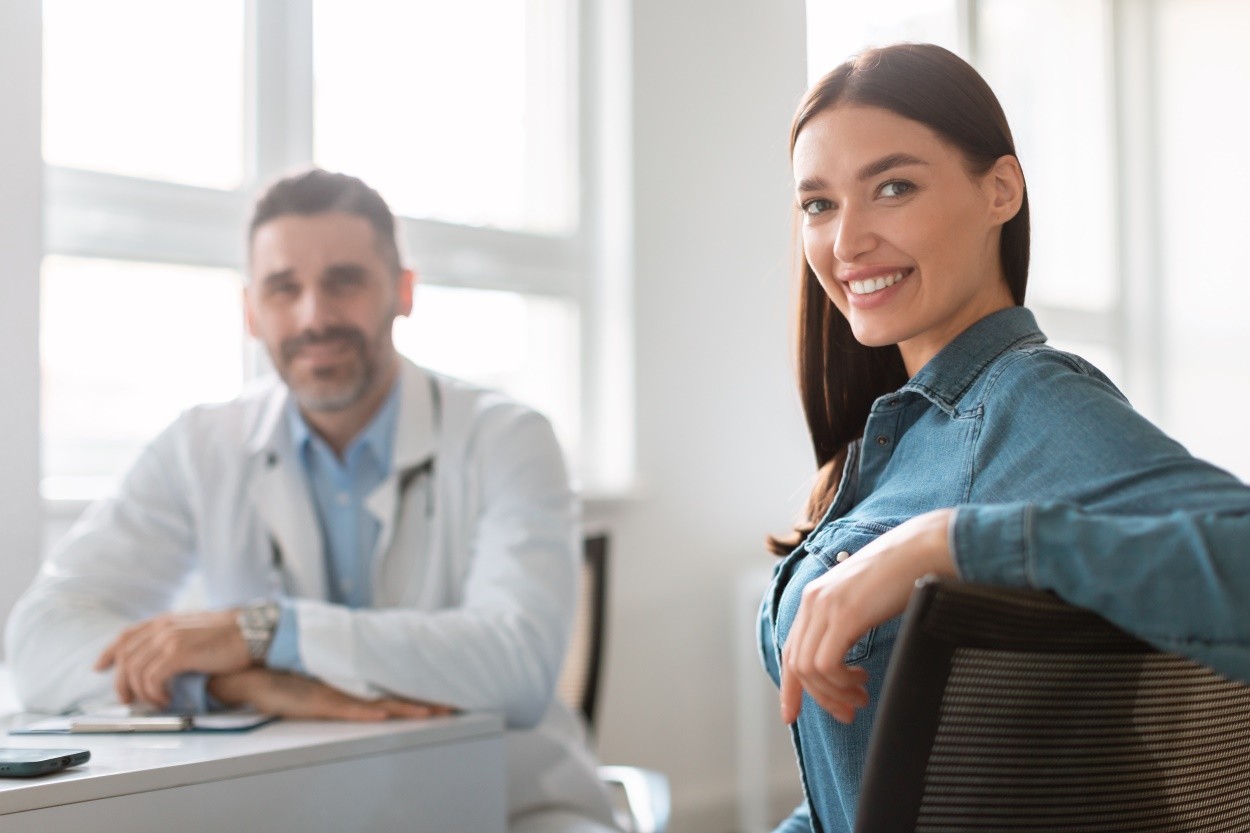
<point>127,724</point>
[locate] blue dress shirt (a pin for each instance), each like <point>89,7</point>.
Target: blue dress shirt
<point>339,488</point>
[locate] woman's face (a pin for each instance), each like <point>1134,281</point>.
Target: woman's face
<point>901,236</point>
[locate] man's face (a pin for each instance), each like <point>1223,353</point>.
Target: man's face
<point>322,298</point>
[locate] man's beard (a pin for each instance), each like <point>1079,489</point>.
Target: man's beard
<point>322,393</point>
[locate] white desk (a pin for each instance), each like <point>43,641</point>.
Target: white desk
<point>439,776</point>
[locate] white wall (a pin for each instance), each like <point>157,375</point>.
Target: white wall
<point>722,451</point>
<point>21,243</point>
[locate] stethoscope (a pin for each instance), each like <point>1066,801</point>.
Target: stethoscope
<point>418,473</point>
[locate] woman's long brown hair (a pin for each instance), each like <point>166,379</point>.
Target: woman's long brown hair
<point>839,378</point>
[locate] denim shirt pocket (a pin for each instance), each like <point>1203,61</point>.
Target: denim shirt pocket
<point>849,537</point>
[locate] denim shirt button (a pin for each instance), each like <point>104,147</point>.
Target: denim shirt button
<point>882,439</point>
<point>842,556</point>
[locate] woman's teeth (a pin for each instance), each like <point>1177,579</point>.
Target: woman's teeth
<point>871,285</point>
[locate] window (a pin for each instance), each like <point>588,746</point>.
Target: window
<point>488,143</point>
<point>161,121</point>
<point>146,88</point>
<point>1073,280</point>
<point>1063,121</point>
<point>1116,107</point>
<point>126,346</point>
<point>1068,168</point>
<point>524,343</point>
<point>836,29</point>
<point>1200,221</point>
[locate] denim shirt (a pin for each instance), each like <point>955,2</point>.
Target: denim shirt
<point>1017,434</point>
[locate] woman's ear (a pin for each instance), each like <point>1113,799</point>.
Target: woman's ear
<point>1007,181</point>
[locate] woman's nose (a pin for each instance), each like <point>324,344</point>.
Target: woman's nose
<point>854,236</point>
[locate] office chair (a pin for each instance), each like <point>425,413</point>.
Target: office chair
<point>646,791</point>
<point>1010,710</point>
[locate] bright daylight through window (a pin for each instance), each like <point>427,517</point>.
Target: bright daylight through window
<point>161,120</point>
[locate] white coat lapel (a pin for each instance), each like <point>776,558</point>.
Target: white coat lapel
<point>279,495</point>
<point>416,432</point>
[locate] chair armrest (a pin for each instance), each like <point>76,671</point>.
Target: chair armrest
<point>646,793</point>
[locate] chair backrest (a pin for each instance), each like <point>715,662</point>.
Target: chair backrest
<point>1010,710</point>
<point>578,685</point>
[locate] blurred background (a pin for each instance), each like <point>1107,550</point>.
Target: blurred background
<point>596,195</point>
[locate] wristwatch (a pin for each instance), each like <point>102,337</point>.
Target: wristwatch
<point>257,622</point>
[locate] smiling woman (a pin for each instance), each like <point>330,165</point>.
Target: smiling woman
<point>905,244</point>
<point>928,386</point>
<point>946,100</point>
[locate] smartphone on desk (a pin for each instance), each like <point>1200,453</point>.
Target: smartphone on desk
<point>24,763</point>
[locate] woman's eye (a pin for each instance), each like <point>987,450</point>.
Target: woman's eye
<point>814,207</point>
<point>896,188</point>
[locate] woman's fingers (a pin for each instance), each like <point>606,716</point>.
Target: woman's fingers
<point>813,661</point>
<point>841,606</point>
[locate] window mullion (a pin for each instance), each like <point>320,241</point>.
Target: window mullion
<point>1134,55</point>
<point>280,55</point>
<point>99,215</point>
<point>967,29</point>
<point>486,258</point>
<point>605,206</point>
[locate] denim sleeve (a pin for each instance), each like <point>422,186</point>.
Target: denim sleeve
<point>284,652</point>
<point>1181,581</point>
<point>798,822</point>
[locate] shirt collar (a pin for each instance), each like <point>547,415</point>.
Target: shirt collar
<point>949,374</point>
<point>377,439</point>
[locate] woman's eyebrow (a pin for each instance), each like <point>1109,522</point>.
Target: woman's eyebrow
<point>872,169</point>
<point>885,163</point>
<point>810,183</point>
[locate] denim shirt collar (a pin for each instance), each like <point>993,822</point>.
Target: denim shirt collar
<point>948,375</point>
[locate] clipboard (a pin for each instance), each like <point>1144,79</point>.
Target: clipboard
<point>124,724</point>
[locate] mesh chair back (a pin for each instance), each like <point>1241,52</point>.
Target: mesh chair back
<point>578,684</point>
<point>1010,710</point>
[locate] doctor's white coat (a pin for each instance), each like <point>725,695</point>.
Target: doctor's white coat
<point>474,581</point>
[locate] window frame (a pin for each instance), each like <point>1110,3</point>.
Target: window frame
<point>102,215</point>
<point>1128,329</point>
<point>21,233</point>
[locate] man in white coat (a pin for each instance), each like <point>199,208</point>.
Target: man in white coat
<point>374,540</point>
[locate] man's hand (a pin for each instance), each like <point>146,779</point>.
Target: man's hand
<point>291,695</point>
<point>842,605</point>
<point>147,655</point>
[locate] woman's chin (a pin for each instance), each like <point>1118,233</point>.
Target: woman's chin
<point>874,336</point>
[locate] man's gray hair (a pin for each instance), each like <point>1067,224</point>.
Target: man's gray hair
<point>316,192</point>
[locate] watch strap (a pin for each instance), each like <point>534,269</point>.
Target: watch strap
<point>257,622</point>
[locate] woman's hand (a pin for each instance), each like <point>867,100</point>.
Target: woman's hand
<point>292,695</point>
<point>842,605</point>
